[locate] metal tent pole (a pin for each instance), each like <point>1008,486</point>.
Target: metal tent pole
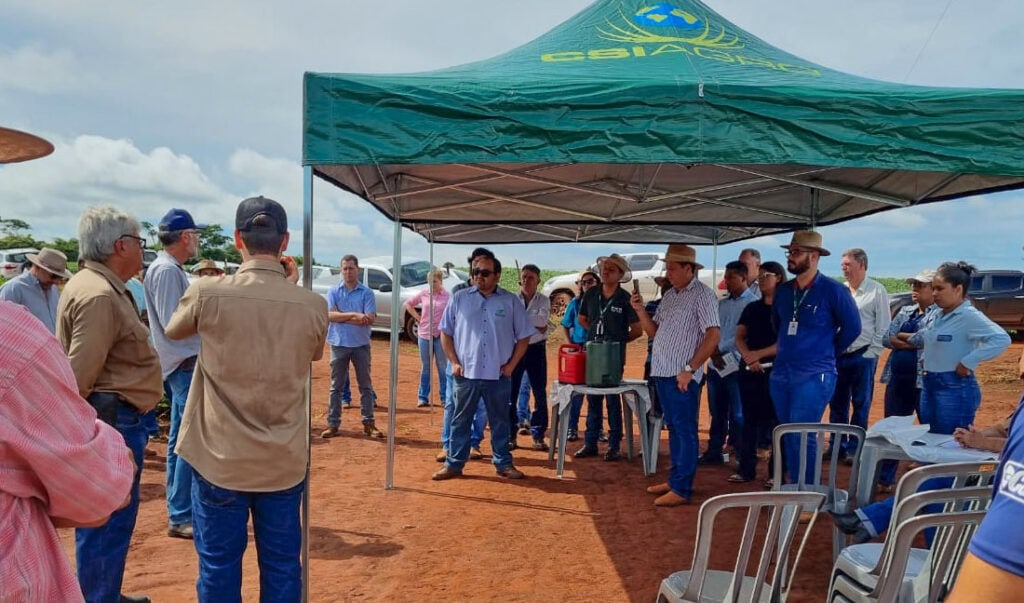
<point>307,282</point>
<point>396,310</point>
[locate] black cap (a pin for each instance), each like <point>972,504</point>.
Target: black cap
<point>249,209</point>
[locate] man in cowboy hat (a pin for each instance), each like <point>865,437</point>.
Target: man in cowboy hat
<point>207,268</point>
<point>35,289</point>
<point>607,315</point>
<point>816,316</point>
<point>165,284</point>
<point>686,332</point>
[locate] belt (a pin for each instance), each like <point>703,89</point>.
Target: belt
<point>856,352</point>
<point>188,364</point>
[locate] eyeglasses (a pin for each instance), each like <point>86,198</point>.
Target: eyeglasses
<point>588,281</point>
<point>141,240</point>
<point>483,272</point>
<point>765,275</point>
<point>796,252</point>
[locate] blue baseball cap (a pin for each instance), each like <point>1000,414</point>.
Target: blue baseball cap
<point>178,219</point>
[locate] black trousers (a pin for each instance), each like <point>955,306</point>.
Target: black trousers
<point>534,364</point>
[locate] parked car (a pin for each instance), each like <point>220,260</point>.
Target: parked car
<point>999,294</point>
<point>375,273</point>
<point>644,266</point>
<point>12,261</point>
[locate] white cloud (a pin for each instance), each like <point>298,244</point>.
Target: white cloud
<point>37,70</point>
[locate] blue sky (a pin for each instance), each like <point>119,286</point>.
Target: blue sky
<point>198,105</point>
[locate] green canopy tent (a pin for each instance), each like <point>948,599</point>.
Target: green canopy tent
<point>642,122</point>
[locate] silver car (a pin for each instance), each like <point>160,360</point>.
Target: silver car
<point>375,273</point>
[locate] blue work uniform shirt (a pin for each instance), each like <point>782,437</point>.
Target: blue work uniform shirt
<point>729,311</point>
<point>357,299</point>
<point>577,333</point>
<point>964,336</point>
<point>26,291</point>
<point>827,321</point>
<point>485,330</point>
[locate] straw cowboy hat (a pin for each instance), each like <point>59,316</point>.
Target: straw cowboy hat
<point>683,253</point>
<point>52,261</point>
<point>808,239</point>
<point>925,276</point>
<point>16,146</point>
<point>619,262</point>
<point>207,265</point>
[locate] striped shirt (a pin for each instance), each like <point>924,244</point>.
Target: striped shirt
<point>56,460</point>
<point>683,317</point>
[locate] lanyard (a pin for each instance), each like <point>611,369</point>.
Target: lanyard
<point>799,300</point>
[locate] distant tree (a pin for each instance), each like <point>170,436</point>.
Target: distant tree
<point>12,227</point>
<point>68,246</point>
<point>15,241</point>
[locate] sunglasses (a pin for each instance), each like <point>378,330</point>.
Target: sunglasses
<point>588,281</point>
<point>483,272</point>
<point>765,275</point>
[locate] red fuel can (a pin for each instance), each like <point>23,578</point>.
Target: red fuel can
<point>572,364</point>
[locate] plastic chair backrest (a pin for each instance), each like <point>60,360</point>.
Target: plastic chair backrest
<point>945,558</point>
<point>964,474</point>
<point>783,509</point>
<point>820,431</point>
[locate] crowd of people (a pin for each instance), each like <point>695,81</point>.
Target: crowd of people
<point>90,371</point>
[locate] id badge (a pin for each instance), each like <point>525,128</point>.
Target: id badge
<point>792,327</point>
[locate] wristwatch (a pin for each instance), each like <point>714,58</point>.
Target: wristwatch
<point>687,368</point>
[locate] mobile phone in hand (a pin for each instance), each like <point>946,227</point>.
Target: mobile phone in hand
<point>636,285</point>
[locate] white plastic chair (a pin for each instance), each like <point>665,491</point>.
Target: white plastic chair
<point>895,570</point>
<point>838,498</point>
<point>771,521</point>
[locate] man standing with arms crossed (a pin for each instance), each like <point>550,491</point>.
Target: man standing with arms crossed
<point>484,332</point>
<point>245,425</point>
<point>686,332</point>
<point>165,283</point>
<point>855,367</point>
<point>816,316</point>
<point>351,309</point>
<point>117,372</point>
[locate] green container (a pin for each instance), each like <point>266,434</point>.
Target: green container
<point>604,363</point>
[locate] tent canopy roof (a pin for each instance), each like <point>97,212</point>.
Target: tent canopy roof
<point>645,122</point>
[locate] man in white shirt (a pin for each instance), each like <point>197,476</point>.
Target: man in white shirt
<point>535,362</point>
<point>856,365</point>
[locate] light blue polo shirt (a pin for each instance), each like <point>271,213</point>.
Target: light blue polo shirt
<point>485,330</point>
<point>342,299</point>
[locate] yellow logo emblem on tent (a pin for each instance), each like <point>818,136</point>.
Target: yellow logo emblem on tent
<point>677,25</point>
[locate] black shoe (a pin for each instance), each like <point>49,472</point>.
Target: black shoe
<point>512,444</point>
<point>584,452</point>
<point>612,455</point>
<point>573,435</point>
<point>710,459</point>
<point>851,525</point>
<point>134,599</point>
<point>602,437</point>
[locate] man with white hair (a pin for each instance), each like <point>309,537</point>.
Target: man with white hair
<point>751,258</point>
<point>117,372</point>
<point>34,288</point>
<point>165,283</point>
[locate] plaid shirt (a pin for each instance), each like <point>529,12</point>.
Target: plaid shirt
<point>56,460</point>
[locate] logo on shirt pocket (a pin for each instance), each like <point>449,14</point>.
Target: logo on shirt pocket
<point>499,312</point>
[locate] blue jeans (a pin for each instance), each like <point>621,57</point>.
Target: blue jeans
<point>476,434</point>
<point>179,472</point>
<point>221,517</point>
<point>440,360</point>
<point>800,400</point>
<point>855,383</point>
<point>149,421</point>
<point>595,420</point>
<point>360,358</point>
<point>523,404</point>
<point>726,411</point>
<point>100,552</point>
<point>468,394</point>
<point>680,411</point>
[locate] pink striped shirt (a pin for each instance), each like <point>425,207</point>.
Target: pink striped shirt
<point>430,319</point>
<point>56,460</point>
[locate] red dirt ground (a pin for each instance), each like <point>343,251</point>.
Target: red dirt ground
<point>594,535</point>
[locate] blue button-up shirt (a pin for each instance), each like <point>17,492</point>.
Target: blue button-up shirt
<point>485,330</point>
<point>164,286</point>
<point>342,299</point>
<point>964,336</point>
<point>25,290</point>
<point>827,321</point>
<point>729,311</point>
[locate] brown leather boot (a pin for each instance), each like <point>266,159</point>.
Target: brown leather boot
<point>371,430</point>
